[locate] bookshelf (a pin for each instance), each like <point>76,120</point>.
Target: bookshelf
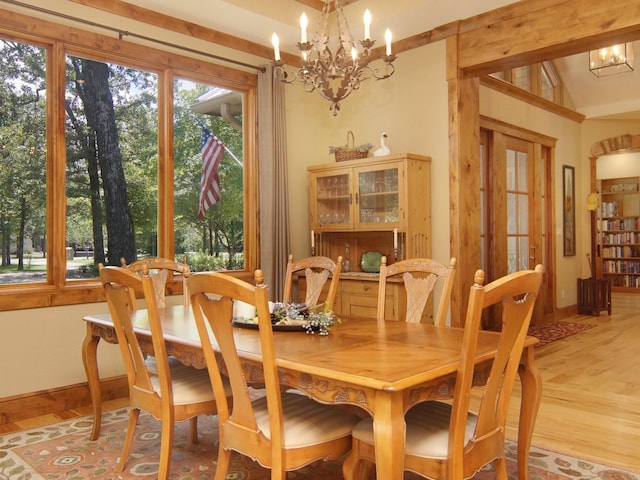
<point>618,233</point>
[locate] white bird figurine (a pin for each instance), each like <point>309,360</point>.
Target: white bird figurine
<point>383,150</point>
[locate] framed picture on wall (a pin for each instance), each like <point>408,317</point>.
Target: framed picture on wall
<point>568,210</point>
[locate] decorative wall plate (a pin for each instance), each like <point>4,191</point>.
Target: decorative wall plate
<point>370,261</point>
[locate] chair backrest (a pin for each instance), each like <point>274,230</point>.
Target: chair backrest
<point>317,270</point>
<point>516,295</point>
<point>420,276</point>
<point>212,298</point>
<point>159,269</point>
<point>120,286</point>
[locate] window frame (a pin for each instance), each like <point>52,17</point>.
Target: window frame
<point>60,41</point>
<point>534,78</point>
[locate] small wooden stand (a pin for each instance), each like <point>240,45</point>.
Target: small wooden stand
<point>594,296</point>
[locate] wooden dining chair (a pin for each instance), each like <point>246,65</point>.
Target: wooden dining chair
<point>281,430</point>
<point>317,270</point>
<point>169,391</point>
<point>420,276</point>
<point>159,269</point>
<point>444,441</point>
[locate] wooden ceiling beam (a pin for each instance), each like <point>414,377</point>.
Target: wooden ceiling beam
<point>519,34</point>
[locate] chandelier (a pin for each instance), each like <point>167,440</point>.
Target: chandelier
<point>334,76</point>
<point>611,60</point>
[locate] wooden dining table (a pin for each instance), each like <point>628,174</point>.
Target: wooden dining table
<point>383,369</point>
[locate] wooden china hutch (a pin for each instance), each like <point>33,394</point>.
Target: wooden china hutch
<point>370,206</point>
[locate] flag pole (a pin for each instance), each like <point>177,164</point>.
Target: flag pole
<point>233,156</point>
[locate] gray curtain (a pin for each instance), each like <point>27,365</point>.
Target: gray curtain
<point>274,197</point>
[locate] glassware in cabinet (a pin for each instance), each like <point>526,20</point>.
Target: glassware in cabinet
<point>332,202</point>
<point>377,198</point>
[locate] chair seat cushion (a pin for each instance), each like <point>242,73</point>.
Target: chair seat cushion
<point>427,429</point>
<point>189,384</point>
<point>306,422</point>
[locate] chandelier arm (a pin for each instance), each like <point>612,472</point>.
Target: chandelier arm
<point>387,70</point>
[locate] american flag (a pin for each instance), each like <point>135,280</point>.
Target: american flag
<point>212,151</point>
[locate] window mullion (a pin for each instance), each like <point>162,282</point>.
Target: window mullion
<point>56,166</point>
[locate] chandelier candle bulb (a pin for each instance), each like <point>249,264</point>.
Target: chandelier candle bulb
<point>395,238</point>
<point>304,21</point>
<point>367,24</point>
<point>387,39</point>
<point>313,239</point>
<point>275,41</point>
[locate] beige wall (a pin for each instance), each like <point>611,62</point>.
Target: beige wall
<point>41,348</point>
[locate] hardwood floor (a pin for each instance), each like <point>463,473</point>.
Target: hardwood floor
<point>590,405</point>
<point>591,389</point>
<point>55,417</point>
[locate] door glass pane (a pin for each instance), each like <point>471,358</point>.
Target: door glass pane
<point>511,170</point>
<point>523,214</point>
<point>112,164</point>
<point>23,163</point>
<point>208,176</point>
<point>512,255</point>
<point>523,178</point>
<point>512,217</point>
<point>523,253</point>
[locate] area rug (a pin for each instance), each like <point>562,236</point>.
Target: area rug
<point>64,451</point>
<point>551,332</point>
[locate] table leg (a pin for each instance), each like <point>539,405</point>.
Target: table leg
<point>529,405</point>
<point>389,435</point>
<point>90,361</point>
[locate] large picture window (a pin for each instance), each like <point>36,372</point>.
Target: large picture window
<point>209,222</point>
<point>23,172</point>
<point>114,166</point>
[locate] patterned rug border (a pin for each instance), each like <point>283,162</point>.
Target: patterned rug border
<point>552,332</point>
<point>544,464</point>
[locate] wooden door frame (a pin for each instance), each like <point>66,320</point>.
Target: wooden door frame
<point>518,34</point>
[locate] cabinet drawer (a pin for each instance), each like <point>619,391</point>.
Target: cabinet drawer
<point>359,287</point>
<point>365,306</point>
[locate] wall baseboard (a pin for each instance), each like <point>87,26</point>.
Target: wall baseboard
<point>35,404</point>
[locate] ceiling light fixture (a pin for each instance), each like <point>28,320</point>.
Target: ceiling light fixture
<point>334,76</point>
<point>611,60</point>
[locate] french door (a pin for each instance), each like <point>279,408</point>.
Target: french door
<point>516,210</point>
